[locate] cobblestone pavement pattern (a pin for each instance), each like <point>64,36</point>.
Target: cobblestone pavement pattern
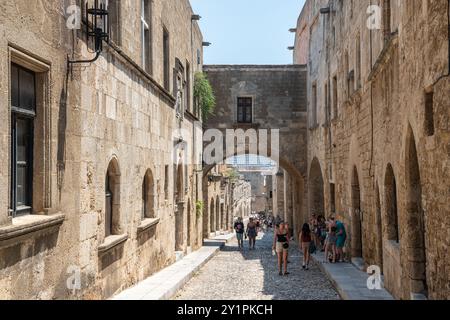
<point>253,275</point>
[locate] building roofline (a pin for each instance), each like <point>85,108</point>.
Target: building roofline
<point>271,67</point>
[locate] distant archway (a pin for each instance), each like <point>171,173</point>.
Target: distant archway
<point>356,217</point>
<point>217,214</point>
<point>415,220</point>
<point>179,214</point>
<point>212,215</point>
<point>189,223</point>
<point>379,227</point>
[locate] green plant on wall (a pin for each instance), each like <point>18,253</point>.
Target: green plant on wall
<point>204,95</point>
<point>199,208</point>
<point>232,174</point>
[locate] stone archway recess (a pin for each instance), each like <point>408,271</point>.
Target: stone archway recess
<point>179,214</point>
<point>211,216</point>
<point>416,254</point>
<point>316,189</point>
<point>356,217</point>
<point>217,214</point>
<point>189,224</point>
<point>379,226</point>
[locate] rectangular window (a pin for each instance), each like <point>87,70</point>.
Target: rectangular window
<point>166,182</point>
<point>146,35</point>
<point>327,104</point>
<point>114,21</point>
<point>429,114</point>
<point>358,62</point>
<point>23,108</point>
<point>335,97</point>
<point>166,59</point>
<point>314,106</point>
<point>188,87</point>
<point>386,19</point>
<point>332,198</point>
<point>244,110</point>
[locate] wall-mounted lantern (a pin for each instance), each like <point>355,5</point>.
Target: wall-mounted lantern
<point>97,28</point>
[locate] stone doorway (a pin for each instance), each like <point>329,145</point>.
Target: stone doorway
<point>416,254</point>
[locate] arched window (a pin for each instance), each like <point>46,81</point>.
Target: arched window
<point>148,196</point>
<point>390,191</point>
<point>112,200</point>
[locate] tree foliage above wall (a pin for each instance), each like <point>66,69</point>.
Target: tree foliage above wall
<point>204,95</point>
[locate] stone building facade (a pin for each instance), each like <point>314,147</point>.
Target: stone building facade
<point>225,198</point>
<point>379,137</point>
<point>261,186</point>
<point>98,172</point>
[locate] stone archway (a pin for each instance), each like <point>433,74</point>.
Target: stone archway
<point>356,216</point>
<point>212,209</point>
<point>189,224</point>
<point>217,213</point>
<point>379,227</point>
<point>416,249</point>
<point>316,189</point>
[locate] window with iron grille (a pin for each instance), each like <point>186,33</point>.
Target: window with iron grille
<point>23,113</point>
<point>245,110</point>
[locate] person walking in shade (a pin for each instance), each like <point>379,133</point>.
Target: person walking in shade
<point>305,239</point>
<point>239,228</point>
<point>252,233</point>
<point>281,246</point>
<point>340,242</point>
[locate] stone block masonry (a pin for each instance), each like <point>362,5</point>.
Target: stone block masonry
<point>113,120</point>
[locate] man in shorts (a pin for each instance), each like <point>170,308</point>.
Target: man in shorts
<point>240,229</point>
<point>340,242</point>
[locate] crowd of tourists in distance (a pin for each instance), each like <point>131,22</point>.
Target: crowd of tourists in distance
<point>327,235</point>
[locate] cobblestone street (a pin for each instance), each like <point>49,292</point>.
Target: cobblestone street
<point>253,275</point>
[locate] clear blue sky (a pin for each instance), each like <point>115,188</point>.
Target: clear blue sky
<point>248,31</point>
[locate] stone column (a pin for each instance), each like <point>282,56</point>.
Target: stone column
<point>280,193</point>
<point>288,201</point>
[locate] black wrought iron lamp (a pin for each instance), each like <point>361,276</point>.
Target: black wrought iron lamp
<point>97,28</point>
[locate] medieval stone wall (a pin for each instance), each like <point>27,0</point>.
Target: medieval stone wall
<point>378,118</point>
<point>108,114</point>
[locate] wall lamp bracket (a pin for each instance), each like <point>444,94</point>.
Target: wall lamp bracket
<point>97,29</point>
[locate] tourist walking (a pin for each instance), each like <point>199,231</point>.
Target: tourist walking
<point>239,228</point>
<point>331,244</point>
<point>252,233</point>
<point>281,246</point>
<point>305,239</point>
<point>340,241</point>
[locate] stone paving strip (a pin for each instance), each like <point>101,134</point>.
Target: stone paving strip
<point>164,284</point>
<point>350,282</point>
<point>253,275</point>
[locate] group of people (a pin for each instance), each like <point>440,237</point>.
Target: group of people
<point>251,232</point>
<point>328,235</point>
